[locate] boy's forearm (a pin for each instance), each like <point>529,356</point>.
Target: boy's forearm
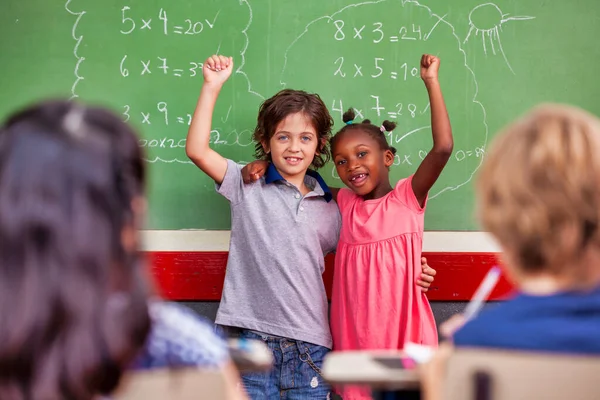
<point>197,145</point>
<point>440,122</point>
<point>199,133</point>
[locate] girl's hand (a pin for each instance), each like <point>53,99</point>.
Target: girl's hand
<point>429,67</point>
<point>217,69</point>
<point>254,171</point>
<point>427,275</point>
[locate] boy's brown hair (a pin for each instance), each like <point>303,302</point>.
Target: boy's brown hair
<point>275,109</point>
<point>538,190</point>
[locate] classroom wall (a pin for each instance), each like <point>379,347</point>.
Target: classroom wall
<point>441,310</point>
<point>189,267</point>
<point>92,51</point>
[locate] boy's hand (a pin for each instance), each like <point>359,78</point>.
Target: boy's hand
<point>429,67</point>
<point>254,171</point>
<point>217,69</point>
<point>427,275</point>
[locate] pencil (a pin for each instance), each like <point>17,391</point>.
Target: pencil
<point>482,293</point>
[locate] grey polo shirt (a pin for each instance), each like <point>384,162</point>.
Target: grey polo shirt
<point>279,238</point>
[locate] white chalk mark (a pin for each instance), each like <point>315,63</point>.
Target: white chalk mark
<point>490,31</point>
<point>213,21</point>
<point>483,33</point>
<point>329,18</point>
<point>474,98</point>
<point>78,41</point>
<point>492,35</point>
<point>226,116</point>
<point>173,160</point>
<point>243,52</point>
<point>459,43</point>
<point>517,18</point>
<point>503,54</point>
<point>434,26</point>
<point>401,138</point>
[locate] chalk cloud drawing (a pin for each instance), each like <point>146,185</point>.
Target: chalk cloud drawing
<point>389,83</point>
<point>231,137</point>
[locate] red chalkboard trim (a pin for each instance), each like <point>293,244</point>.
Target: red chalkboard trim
<point>198,276</point>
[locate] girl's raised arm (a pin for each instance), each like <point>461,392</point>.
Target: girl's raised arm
<point>435,161</point>
<point>216,71</point>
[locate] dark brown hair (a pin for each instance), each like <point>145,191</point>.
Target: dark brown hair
<point>73,297</point>
<point>274,110</point>
<point>367,127</point>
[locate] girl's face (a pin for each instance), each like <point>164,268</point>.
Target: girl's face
<point>362,164</point>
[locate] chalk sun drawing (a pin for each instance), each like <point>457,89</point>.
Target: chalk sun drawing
<point>487,20</point>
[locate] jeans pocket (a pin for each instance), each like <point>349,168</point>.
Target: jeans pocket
<point>313,355</point>
<point>306,358</point>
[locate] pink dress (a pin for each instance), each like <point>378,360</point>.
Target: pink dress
<point>376,303</point>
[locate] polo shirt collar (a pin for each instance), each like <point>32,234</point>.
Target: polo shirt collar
<point>272,175</point>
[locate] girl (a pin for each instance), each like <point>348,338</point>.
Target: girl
<point>75,304</point>
<point>375,304</point>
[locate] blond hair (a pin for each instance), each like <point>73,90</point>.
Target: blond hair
<point>538,191</point>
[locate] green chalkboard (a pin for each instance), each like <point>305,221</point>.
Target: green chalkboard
<point>143,59</point>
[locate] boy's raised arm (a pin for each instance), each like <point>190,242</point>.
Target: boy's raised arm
<point>216,71</point>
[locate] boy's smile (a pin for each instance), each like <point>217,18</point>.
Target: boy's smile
<point>293,147</point>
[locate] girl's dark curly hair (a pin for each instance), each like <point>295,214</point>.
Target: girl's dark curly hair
<point>277,108</point>
<point>366,126</point>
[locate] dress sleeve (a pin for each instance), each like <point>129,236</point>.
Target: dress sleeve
<point>404,193</point>
<point>344,197</point>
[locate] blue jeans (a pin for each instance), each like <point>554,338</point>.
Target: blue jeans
<point>294,375</point>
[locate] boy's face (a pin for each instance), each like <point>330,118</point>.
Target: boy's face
<point>293,146</point>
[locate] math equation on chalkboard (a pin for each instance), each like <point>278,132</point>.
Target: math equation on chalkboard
<point>146,60</point>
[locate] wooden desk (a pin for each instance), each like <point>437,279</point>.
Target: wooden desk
<point>362,368</point>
